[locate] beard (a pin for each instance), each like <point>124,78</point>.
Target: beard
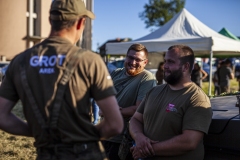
<point>133,70</point>
<point>174,77</point>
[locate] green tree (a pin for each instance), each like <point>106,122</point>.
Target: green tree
<point>159,12</point>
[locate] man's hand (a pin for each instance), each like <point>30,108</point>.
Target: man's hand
<point>136,154</point>
<point>143,147</point>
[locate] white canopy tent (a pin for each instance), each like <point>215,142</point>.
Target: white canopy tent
<point>186,29</point>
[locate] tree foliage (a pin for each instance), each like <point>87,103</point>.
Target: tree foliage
<point>159,12</point>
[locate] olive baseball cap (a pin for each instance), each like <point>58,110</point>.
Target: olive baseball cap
<point>69,10</point>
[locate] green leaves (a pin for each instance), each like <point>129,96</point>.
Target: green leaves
<point>159,12</point>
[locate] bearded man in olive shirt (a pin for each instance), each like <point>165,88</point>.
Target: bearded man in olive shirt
<point>39,71</point>
<point>132,83</point>
<point>172,119</point>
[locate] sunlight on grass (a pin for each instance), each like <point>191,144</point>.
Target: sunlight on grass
<point>233,87</point>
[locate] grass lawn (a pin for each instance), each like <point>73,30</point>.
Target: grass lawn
<point>233,87</point>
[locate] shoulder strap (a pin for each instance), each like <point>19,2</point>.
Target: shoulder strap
<point>31,99</point>
<point>70,67</point>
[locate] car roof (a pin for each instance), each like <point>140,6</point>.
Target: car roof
<point>2,64</point>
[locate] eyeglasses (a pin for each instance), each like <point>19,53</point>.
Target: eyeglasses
<point>138,60</point>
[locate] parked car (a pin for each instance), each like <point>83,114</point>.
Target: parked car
<point>119,63</point>
<point>223,138</point>
<point>3,69</point>
<point>111,67</point>
<point>2,64</point>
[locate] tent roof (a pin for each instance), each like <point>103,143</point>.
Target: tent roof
<point>183,28</point>
<point>227,33</point>
<point>183,25</point>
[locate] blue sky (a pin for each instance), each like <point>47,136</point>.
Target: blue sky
<point>120,18</point>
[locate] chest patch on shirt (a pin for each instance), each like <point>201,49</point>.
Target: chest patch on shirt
<point>171,108</point>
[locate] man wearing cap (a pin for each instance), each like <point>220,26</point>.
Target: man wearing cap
<point>61,125</point>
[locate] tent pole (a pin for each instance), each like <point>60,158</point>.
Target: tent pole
<point>210,74</point>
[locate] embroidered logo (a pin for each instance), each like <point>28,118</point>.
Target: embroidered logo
<point>171,108</point>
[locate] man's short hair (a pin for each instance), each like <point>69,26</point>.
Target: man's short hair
<point>186,55</point>
<point>138,47</point>
<point>58,25</point>
<point>227,61</point>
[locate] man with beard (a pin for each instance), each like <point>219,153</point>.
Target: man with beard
<point>132,83</point>
<point>172,119</point>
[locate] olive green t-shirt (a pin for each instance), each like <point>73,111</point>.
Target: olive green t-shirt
<point>130,89</point>
<point>44,67</point>
<point>167,113</point>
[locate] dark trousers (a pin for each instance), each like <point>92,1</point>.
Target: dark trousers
<point>83,151</point>
<point>111,150</point>
<point>216,90</point>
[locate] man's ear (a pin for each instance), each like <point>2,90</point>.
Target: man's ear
<point>81,23</point>
<point>186,67</point>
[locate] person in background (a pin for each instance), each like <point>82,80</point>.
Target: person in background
<point>61,126</point>
<point>216,79</point>
<point>198,74</point>
<point>159,73</point>
<point>225,74</point>
<point>132,83</point>
<point>238,80</point>
<point>237,74</point>
<point>172,119</point>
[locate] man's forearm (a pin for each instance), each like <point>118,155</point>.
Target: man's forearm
<point>178,145</point>
<point>169,148</point>
<point>106,131</point>
<point>129,111</point>
<point>135,128</point>
<point>13,125</point>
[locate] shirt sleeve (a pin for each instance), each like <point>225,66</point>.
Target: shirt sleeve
<point>141,107</point>
<point>147,83</point>
<point>102,85</point>
<point>198,115</point>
